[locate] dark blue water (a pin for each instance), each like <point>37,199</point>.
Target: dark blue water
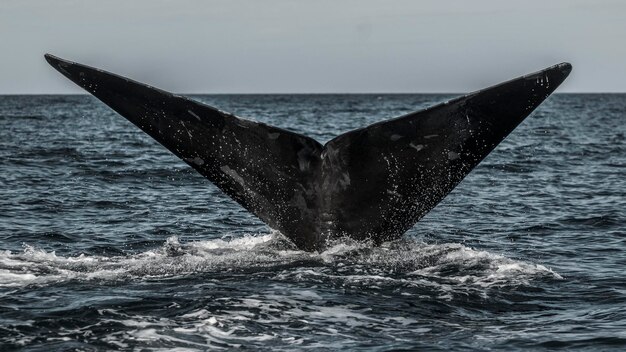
<point>108,241</point>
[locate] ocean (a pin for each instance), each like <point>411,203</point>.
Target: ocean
<point>110,242</point>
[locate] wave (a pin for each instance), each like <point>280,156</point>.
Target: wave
<point>404,262</point>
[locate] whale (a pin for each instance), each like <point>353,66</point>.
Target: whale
<point>370,184</point>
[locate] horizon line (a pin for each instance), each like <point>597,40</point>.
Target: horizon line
<point>317,93</point>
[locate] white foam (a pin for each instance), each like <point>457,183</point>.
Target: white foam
<point>484,269</point>
<point>442,271</point>
<point>36,266</point>
<point>359,263</point>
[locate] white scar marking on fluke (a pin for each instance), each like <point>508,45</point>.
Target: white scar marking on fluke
<point>62,67</point>
<point>273,135</point>
<point>416,147</point>
<point>453,156</point>
<point>232,173</point>
<point>344,181</point>
<point>194,115</point>
<point>186,129</point>
<point>196,160</point>
<point>394,193</point>
<point>395,137</point>
<point>431,136</point>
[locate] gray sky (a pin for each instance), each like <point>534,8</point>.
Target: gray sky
<point>297,46</point>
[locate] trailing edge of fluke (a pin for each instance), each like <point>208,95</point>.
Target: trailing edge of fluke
<point>372,183</point>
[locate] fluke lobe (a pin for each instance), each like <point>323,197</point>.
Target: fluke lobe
<point>372,183</point>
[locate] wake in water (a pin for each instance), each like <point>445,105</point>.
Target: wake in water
<point>406,261</point>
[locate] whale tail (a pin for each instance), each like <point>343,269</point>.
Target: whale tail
<point>373,183</point>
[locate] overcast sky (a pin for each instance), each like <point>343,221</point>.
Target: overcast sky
<point>317,46</point>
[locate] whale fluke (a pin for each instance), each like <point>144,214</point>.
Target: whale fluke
<point>373,183</point>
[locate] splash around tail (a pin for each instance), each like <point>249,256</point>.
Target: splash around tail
<point>401,262</point>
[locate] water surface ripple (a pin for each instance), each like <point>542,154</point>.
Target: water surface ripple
<point>108,241</point>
